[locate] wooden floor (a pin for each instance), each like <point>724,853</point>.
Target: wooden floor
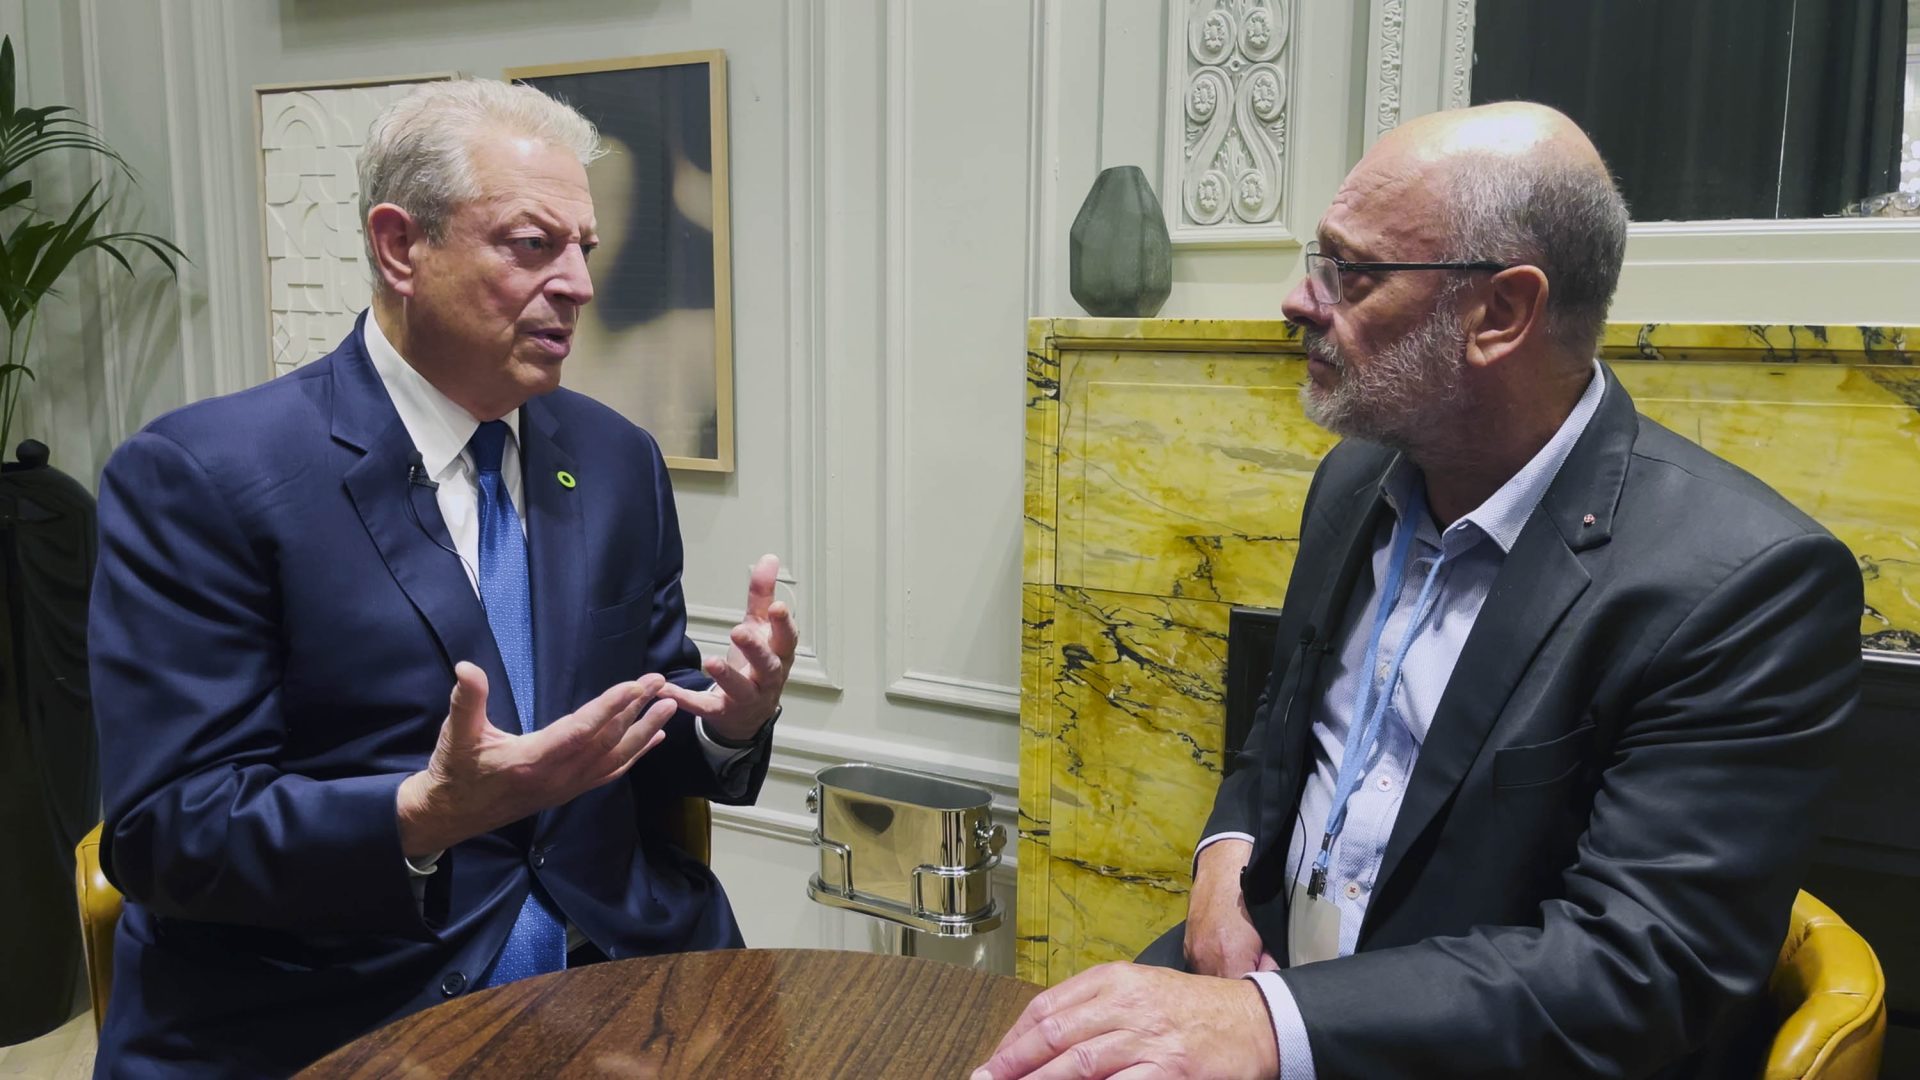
<point>63,1054</point>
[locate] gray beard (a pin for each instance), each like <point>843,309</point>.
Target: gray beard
<point>1403,396</point>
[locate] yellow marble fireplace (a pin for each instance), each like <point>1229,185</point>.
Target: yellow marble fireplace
<point>1166,464</point>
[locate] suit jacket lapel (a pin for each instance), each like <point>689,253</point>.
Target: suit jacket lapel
<point>1288,761</point>
<point>1540,580</point>
<point>389,504</point>
<point>556,552</point>
<point>1329,615</point>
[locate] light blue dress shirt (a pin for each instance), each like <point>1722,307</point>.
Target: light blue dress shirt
<point>1471,551</point>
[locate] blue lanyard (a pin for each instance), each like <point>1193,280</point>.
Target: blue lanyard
<point>1364,725</point>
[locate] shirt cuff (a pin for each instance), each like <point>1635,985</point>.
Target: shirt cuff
<point>1289,1030</point>
<point>725,760</point>
<point>1214,839</point>
<point>423,866</point>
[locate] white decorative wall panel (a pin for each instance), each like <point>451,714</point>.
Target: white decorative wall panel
<point>1389,44</point>
<point>1419,60</point>
<point>1229,96</point>
<point>1459,65</point>
<point>317,278</point>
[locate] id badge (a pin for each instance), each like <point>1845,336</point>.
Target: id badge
<point>1313,928</point>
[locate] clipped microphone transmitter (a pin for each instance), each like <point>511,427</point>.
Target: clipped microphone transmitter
<point>417,477</point>
<point>417,472</point>
<point>1310,641</point>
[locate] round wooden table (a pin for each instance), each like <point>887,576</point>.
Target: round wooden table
<point>741,1013</point>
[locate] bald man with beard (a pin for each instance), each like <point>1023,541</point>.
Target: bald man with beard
<point>1532,786</point>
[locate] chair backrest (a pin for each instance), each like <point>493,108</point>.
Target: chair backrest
<point>690,824</point>
<point>1831,996</point>
<point>99,914</point>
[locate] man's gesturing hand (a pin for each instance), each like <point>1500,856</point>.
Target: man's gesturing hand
<point>747,684</point>
<point>481,777</point>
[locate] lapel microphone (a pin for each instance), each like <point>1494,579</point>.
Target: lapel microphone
<point>417,472</point>
<point>417,477</point>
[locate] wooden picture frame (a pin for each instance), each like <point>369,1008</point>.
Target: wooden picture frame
<point>656,344</point>
<point>307,136</point>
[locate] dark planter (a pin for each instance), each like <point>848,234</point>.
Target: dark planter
<point>1120,262</point>
<point>49,768</point>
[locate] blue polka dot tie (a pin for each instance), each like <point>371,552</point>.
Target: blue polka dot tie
<point>538,943</point>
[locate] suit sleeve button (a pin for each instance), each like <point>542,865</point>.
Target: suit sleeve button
<point>453,984</point>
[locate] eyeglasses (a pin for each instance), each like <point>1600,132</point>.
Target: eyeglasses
<point>1323,271</point>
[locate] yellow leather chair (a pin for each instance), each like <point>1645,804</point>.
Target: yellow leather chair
<point>1830,993</point>
<point>690,826</point>
<point>99,914</point>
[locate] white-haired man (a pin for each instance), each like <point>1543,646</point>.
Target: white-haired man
<point>389,654</point>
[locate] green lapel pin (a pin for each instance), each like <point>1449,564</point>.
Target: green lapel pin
<point>566,479</point>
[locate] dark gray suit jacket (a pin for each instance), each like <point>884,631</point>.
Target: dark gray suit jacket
<point>1594,863</point>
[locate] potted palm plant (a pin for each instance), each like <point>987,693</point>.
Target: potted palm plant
<point>37,244</point>
<point>49,783</point>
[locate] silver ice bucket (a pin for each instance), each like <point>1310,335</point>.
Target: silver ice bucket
<point>913,849</point>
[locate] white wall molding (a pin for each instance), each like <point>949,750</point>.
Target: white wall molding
<point>1230,89</point>
<point>1044,253</point>
<point>906,681</point>
<point>1458,70</point>
<point>810,566</point>
<point>1419,60</point>
<point>799,752</point>
<point>708,627</point>
<point>895,366</point>
<point>1385,53</point>
<point>187,111</point>
<point>780,825</point>
<point>1822,228</point>
<point>226,357</point>
<point>812,498</point>
<point>946,690</point>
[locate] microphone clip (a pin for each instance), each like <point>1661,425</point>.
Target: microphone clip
<point>417,473</point>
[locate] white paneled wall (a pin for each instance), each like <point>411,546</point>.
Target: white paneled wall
<point>904,175</point>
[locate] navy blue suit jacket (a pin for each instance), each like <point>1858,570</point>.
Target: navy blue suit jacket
<point>273,632</point>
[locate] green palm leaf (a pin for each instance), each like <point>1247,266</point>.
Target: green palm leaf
<point>38,245</point>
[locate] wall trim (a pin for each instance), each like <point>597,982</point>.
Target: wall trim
<point>708,627</point>
<point>230,298</point>
<point>970,694</point>
<point>1231,75</point>
<point>810,566</point>
<point>799,752</point>
<point>895,369</point>
<point>1746,227</point>
<point>1457,69</point>
<point>1043,150</point>
<point>810,402</point>
<point>760,821</point>
<point>1387,68</point>
<point>905,681</point>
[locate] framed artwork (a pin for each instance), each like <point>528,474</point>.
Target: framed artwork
<point>314,261</point>
<point>656,344</point>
